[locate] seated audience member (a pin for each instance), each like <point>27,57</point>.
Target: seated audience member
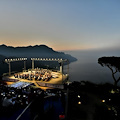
<point>7,101</point>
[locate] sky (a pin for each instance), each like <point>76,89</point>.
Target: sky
<point>61,24</point>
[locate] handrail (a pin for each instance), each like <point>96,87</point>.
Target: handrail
<point>5,74</point>
<point>28,107</point>
<point>24,110</point>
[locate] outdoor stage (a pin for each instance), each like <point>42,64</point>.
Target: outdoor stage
<point>43,78</point>
<point>56,79</point>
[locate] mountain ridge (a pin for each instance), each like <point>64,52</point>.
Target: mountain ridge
<point>29,52</point>
<point>33,51</point>
<point>25,47</point>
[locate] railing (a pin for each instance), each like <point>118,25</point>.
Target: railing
<point>6,74</point>
<point>20,116</point>
<point>26,112</point>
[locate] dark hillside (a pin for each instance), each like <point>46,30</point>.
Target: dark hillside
<point>38,51</point>
<point>33,51</point>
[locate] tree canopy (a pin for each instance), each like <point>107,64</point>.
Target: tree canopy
<point>113,63</point>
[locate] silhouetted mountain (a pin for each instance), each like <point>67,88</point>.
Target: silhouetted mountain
<point>20,51</point>
<point>42,51</point>
<point>33,51</point>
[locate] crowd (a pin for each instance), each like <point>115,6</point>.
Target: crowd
<point>12,99</point>
<point>42,74</point>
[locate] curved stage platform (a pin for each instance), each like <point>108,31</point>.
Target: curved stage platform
<point>42,78</point>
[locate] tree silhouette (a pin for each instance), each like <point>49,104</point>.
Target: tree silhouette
<point>113,63</point>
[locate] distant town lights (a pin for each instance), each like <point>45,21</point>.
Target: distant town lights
<point>78,96</point>
<point>109,108</point>
<point>79,103</point>
<point>112,91</point>
<point>103,101</point>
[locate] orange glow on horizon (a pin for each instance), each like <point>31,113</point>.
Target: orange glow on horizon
<point>54,47</point>
<point>75,49</point>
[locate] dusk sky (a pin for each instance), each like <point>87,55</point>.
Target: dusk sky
<point>61,24</point>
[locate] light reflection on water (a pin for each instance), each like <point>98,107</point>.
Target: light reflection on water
<point>87,67</point>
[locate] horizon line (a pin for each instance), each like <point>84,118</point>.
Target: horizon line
<point>81,49</point>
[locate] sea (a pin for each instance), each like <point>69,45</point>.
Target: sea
<point>87,68</point>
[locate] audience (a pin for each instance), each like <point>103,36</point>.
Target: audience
<point>7,101</point>
<point>12,99</point>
